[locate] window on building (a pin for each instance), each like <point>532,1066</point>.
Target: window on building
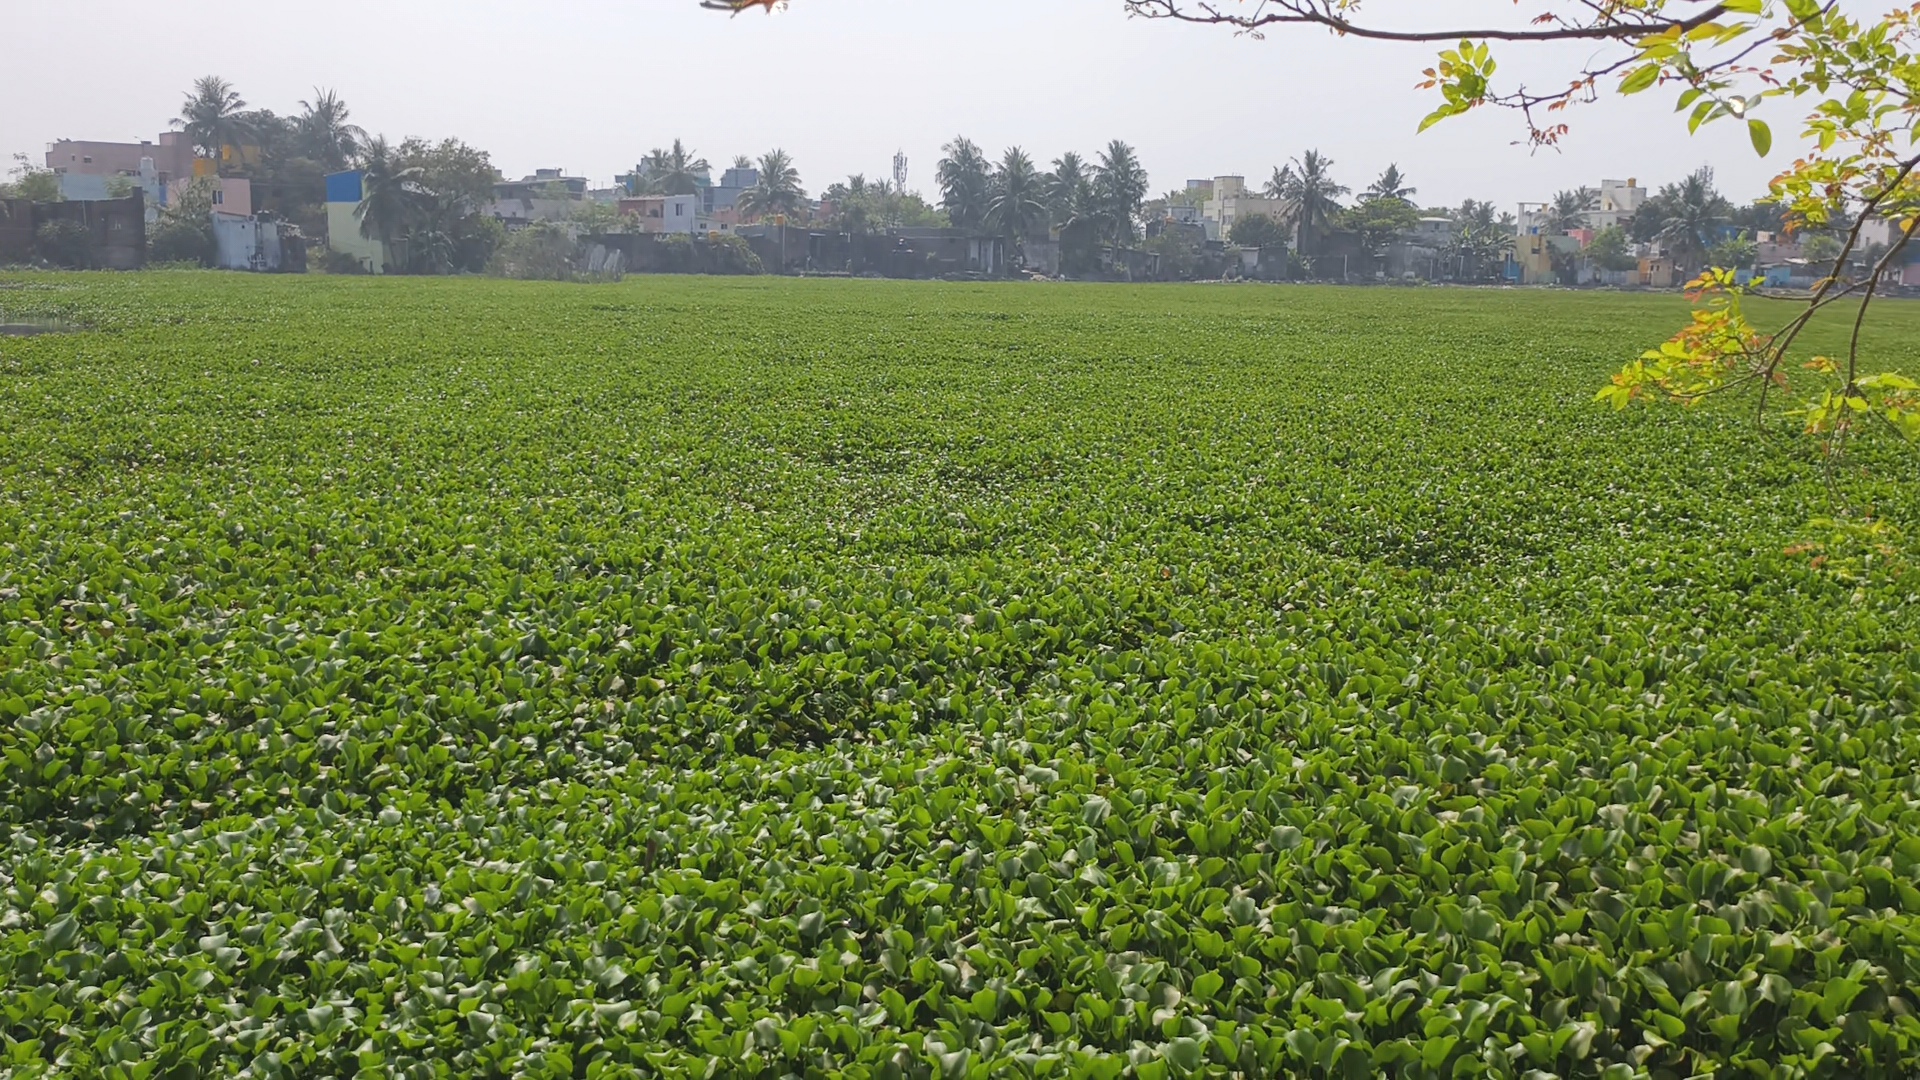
<point>679,209</point>
<point>219,198</point>
<point>88,160</point>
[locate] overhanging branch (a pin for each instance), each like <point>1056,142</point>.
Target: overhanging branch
<point>1309,12</point>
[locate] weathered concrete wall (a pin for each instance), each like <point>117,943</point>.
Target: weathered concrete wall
<point>116,230</point>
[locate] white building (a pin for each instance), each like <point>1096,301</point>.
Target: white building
<point>1618,201</point>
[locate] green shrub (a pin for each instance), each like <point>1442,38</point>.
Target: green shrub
<point>339,262</point>
<point>64,242</point>
<point>543,251</point>
<point>176,240</point>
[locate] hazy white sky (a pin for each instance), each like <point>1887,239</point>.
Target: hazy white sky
<point>590,85</point>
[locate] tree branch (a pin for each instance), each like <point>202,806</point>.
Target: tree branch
<point>1307,12</point>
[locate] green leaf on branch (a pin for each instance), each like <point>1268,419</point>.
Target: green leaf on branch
<point>1641,78</point>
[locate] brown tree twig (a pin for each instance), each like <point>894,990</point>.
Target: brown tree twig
<point>1283,12</point>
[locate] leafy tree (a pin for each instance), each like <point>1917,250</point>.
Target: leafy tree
<point>31,182</point>
<point>452,169</point>
<point>1760,217</point>
<point>1016,200</point>
<point>1257,231</point>
<point>326,131</point>
<point>213,117</point>
<point>1821,247</point>
<point>1312,195</point>
<point>593,217</point>
<point>184,232</point>
<point>1611,249</point>
<point>863,206</point>
<point>1378,220</point>
<point>1119,189</point>
<point>1180,250</point>
<point>1734,253</point>
<point>1391,185</point>
<point>777,192</point>
<point>965,182</point>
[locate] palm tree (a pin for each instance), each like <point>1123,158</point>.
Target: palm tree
<point>1119,186</point>
<point>326,135</point>
<point>676,171</point>
<point>211,116</point>
<point>742,161</point>
<point>1568,211</point>
<point>779,190</point>
<point>964,181</point>
<point>1071,205</point>
<point>1280,184</point>
<point>1313,196</point>
<point>1066,185</point>
<point>1016,201</point>
<point>1693,212</point>
<point>1392,185</point>
<point>1480,238</point>
<point>392,196</point>
<point>1474,214</point>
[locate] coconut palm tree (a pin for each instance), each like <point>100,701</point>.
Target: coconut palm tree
<point>1072,207</point>
<point>211,116</point>
<point>1066,185</point>
<point>1391,185</point>
<point>1692,212</point>
<point>1568,211</point>
<point>965,178</point>
<point>778,191</point>
<point>1119,187</point>
<point>326,133</point>
<point>1016,200</point>
<point>1279,184</point>
<point>393,196</point>
<point>674,171</point>
<point>1313,197</point>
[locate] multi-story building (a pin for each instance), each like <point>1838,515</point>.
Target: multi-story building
<point>172,157</point>
<point>1618,202</point>
<point>1231,202</point>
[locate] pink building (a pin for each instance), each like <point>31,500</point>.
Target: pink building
<point>234,195</point>
<point>172,157</point>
